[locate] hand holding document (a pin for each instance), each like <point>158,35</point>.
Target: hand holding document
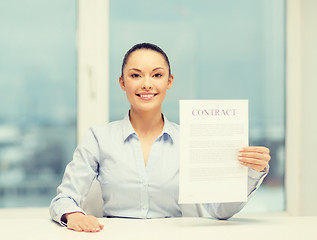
<point>212,132</point>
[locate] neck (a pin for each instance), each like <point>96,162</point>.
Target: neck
<point>146,123</point>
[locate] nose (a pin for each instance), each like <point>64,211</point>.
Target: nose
<point>147,84</point>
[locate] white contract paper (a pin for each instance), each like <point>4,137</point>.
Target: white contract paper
<point>211,134</point>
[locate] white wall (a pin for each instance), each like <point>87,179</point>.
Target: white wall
<point>309,127</point>
<point>301,158</point>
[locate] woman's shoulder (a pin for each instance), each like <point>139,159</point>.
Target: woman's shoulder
<point>114,126</point>
<point>103,132</point>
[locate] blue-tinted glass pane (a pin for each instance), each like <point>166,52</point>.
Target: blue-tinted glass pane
<point>232,49</point>
<point>38,98</point>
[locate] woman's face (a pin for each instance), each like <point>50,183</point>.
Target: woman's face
<point>146,79</point>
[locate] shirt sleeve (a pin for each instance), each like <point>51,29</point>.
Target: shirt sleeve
<point>77,180</point>
<point>227,210</point>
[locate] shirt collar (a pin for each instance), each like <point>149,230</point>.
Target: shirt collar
<point>127,127</point>
<point>129,131</point>
<point>168,129</point>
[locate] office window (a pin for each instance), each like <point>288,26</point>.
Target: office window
<point>231,49</point>
<point>38,98</point>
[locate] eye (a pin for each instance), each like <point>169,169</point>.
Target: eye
<point>135,75</point>
<point>157,75</point>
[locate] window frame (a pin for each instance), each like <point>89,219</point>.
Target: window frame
<point>93,64</point>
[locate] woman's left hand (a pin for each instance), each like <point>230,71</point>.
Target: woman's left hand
<point>256,158</point>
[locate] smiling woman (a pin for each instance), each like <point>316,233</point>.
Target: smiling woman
<point>136,160</point>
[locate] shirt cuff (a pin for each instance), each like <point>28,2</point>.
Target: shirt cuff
<point>258,175</point>
<point>255,179</point>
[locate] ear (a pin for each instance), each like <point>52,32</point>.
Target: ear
<point>121,82</point>
<point>170,81</point>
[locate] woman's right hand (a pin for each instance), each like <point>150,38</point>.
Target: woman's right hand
<point>80,222</point>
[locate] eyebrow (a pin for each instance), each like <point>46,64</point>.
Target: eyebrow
<point>135,69</point>
<point>138,70</point>
<point>157,69</point>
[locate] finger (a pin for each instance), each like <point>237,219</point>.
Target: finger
<point>94,228</point>
<point>101,226</point>
<point>253,161</point>
<point>255,167</point>
<point>92,225</point>
<point>75,228</point>
<point>262,150</point>
<point>254,155</point>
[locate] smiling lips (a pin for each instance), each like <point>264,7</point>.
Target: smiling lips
<point>146,96</point>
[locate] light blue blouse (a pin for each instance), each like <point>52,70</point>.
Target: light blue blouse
<point>112,153</point>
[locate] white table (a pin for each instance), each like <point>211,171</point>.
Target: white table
<point>34,223</point>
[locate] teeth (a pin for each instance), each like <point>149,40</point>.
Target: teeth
<point>146,96</point>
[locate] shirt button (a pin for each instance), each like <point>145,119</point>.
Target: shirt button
<point>144,207</point>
